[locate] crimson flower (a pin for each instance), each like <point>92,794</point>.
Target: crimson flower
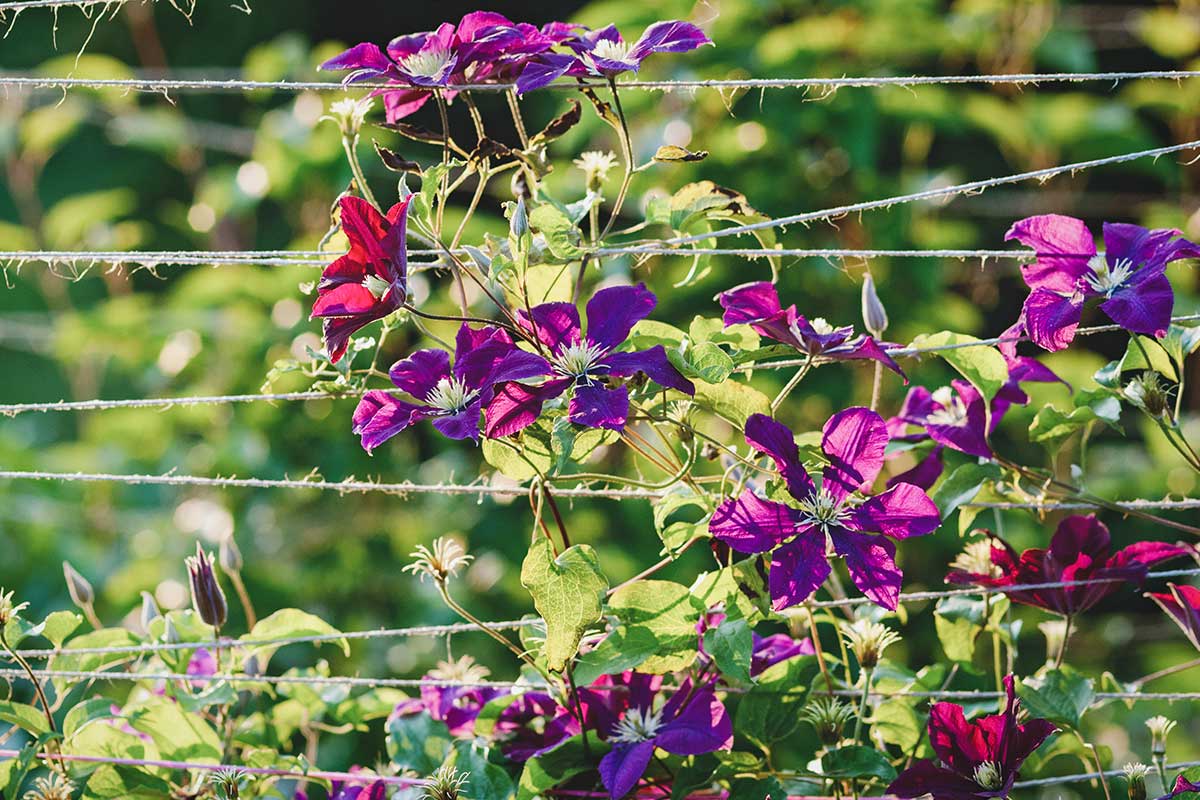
<point>584,364</point>
<point>1129,277</point>
<point>1080,550</point>
<point>978,759</point>
<point>370,281</point>
<point>1182,786</point>
<point>839,513</point>
<point>1182,603</point>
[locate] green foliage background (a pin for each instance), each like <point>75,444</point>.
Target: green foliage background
<point>100,170</point>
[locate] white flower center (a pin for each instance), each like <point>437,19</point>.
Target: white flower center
<point>987,775</point>
<point>450,394</point>
<point>576,360</point>
<point>1106,278</point>
<point>427,63</point>
<point>376,285</point>
<point>612,51</point>
<point>952,412</point>
<point>821,326</point>
<point>824,510</point>
<point>638,725</point>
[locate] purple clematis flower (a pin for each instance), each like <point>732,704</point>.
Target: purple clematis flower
<point>202,664</point>
<point>1182,604</point>
<point>451,397</point>
<point>583,363</point>
<point>767,650</point>
<point>690,722</point>
<point>798,534</point>
<point>757,305</point>
<point>533,724</point>
<point>979,758</point>
<point>1080,550</point>
<point>459,705</point>
<point>1182,786</point>
<point>603,53</point>
<point>1129,276</point>
<point>370,281</point>
<point>955,416</point>
<point>370,789</point>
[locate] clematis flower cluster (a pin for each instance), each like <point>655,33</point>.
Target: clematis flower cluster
<point>1080,550</point>
<point>839,514</point>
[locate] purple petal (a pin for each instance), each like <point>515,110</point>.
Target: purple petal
<point>668,37</point>
<point>400,103</point>
<point>380,416</point>
<point>556,325</point>
<point>1143,307</point>
<point>900,512</point>
<point>704,726</point>
<point>1025,739</point>
<point>798,569</point>
<point>774,439</point>
<point>925,473</point>
<point>420,372</point>
<point>970,435</point>
<point>624,766</point>
<point>1063,245</point>
<point>926,778</point>
<point>1147,249</point>
<point>871,561</point>
<point>597,406</point>
<point>1149,554</point>
<point>750,524</point>
<point>854,441</point>
<point>612,313</point>
<point>1051,318</point>
<point>867,348</point>
<point>365,58</point>
<point>517,406</point>
<point>654,363</point>
<point>488,356</point>
<point>544,70</point>
<point>463,425</point>
<point>749,302</point>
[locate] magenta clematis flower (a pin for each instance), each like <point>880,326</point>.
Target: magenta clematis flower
<point>1080,550</point>
<point>767,650</point>
<point>370,788</point>
<point>451,397</point>
<point>533,724</point>
<point>1182,604</point>
<point>955,416</point>
<point>370,281</point>
<point>584,364</point>
<point>690,722</point>
<point>202,664</point>
<point>603,53</point>
<point>1129,277</point>
<point>798,534</point>
<point>457,705</point>
<point>979,758</point>
<point>1182,786</point>
<point>757,305</point>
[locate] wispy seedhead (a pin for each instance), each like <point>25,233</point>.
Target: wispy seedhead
<point>867,640</point>
<point>349,114</point>
<point>8,609</point>
<point>828,715</point>
<point>52,787</point>
<point>446,784</point>
<point>441,561</point>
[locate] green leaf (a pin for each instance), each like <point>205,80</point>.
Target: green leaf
<point>559,765</point>
<point>983,366</point>
<point>695,774</point>
<point>287,623</point>
<point>418,742</point>
<point>680,516</point>
<point>960,620</point>
<point>562,236</point>
<point>59,625</point>
<point>1160,360</point>
<point>89,662</point>
<point>568,592</point>
<point>623,649</point>
<point>962,485</point>
<point>484,779</point>
<point>770,712</point>
<point>705,361</point>
<point>896,722</point>
<point>734,401</point>
<point>178,735</point>
<point>669,613</point>
<point>856,761</point>
<point>118,781</point>
<point>731,645</point>
<point>26,717</point>
<point>81,714</point>
<point>1060,695</point>
<point>756,789</point>
<point>671,152</point>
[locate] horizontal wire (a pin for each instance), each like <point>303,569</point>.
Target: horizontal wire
<point>81,4</point>
<point>237,85</point>
<point>928,194</point>
<point>1091,776</point>
<point>271,772</point>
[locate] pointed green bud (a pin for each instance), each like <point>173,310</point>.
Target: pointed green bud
<point>207,598</point>
<point>150,610</point>
<point>229,556</point>
<point>78,587</point>
<point>875,317</point>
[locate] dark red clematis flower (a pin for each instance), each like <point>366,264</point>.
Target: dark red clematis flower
<point>1182,603</point>
<point>1081,550</point>
<point>978,759</point>
<point>370,281</point>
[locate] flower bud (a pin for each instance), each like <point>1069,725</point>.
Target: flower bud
<point>8,610</point>
<point>867,640</point>
<point>1149,394</point>
<point>875,318</point>
<point>1160,728</point>
<point>207,598</point>
<point>229,556</point>
<point>518,223</point>
<point>150,611</point>
<point>828,715</point>
<point>78,587</point>
<point>170,632</point>
<point>446,784</point>
<point>1135,778</point>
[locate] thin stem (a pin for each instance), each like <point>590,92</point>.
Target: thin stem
<point>816,640</point>
<point>558,518</point>
<point>1062,650</point>
<point>350,145</point>
<point>453,605</point>
<point>862,705</point>
<point>518,120</point>
<point>1099,767</point>
<point>1162,673</point>
<point>876,385</point>
<point>791,384</point>
<point>37,688</point>
<point>244,598</point>
<point>441,106</point>
<point>646,573</point>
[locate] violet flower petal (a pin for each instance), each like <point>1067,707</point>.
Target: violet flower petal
<point>420,372</point>
<point>774,439</point>
<point>1063,244</point>
<point>871,562</point>
<point>597,406</point>
<point>1051,318</point>
<point>702,727</point>
<point>798,569</point>
<point>517,406</point>
<point>854,440</point>
<point>654,363</point>
<point>612,313</point>
<point>750,524</point>
<point>624,766</point>
<point>902,511</point>
<point>674,36</point>
<point>1143,306</point>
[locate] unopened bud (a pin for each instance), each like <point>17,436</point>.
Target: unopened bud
<point>518,223</point>
<point>875,317</point>
<point>207,598</point>
<point>1135,778</point>
<point>8,609</point>
<point>867,640</point>
<point>828,715</point>
<point>1148,393</point>
<point>229,556</point>
<point>78,587</point>
<point>170,632</point>
<point>150,611</point>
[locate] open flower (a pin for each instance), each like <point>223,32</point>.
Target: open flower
<point>1081,550</point>
<point>636,724</point>
<point>978,759</point>
<point>1182,604</point>
<point>757,305</point>
<point>1182,786</point>
<point>798,534</point>
<point>956,417</point>
<point>584,364</point>
<point>447,695</point>
<point>603,53</point>
<point>1129,277</point>
<point>533,724</point>
<point>370,281</point>
<point>368,787</point>
<point>451,397</point>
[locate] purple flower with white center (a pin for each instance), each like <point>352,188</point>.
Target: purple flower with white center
<point>955,416</point>
<point>798,534</point>
<point>757,305</point>
<point>691,721</point>
<point>533,724</point>
<point>583,364</point>
<point>1129,277</point>
<point>452,398</point>
<point>604,54</point>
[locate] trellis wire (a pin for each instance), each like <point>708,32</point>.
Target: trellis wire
<point>13,409</point>
<point>80,4</point>
<point>929,194</point>
<point>1091,776</point>
<point>160,85</point>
